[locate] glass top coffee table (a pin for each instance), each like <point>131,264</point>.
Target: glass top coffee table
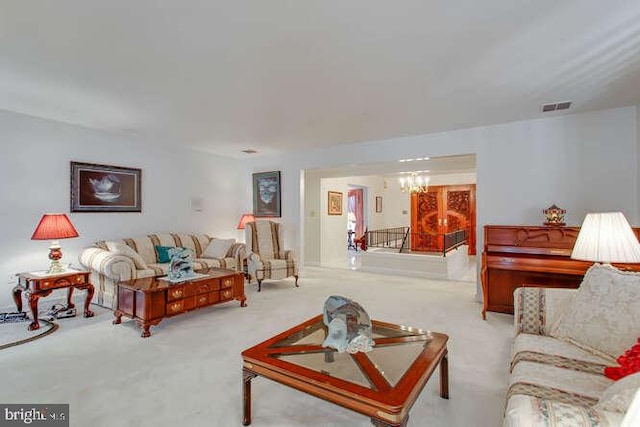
<point>382,384</point>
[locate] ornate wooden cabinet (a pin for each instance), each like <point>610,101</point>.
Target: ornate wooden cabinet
<point>516,256</point>
<point>441,210</point>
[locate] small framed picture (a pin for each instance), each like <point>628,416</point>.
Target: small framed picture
<point>378,204</point>
<point>334,205</point>
<point>105,188</point>
<point>266,194</point>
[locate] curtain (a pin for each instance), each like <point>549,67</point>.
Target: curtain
<point>355,204</point>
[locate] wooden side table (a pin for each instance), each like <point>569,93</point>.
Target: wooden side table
<point>40,284</point>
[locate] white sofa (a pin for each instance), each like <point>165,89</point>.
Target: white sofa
<point>113,261</point>
<point>564,340</point>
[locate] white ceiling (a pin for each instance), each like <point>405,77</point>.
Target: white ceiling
<point>274,75</point>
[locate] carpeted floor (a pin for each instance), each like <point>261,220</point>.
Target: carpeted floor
<point>188,373</point>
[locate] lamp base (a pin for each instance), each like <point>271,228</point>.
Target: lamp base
<point>55,254</point>
<point>55,267</point>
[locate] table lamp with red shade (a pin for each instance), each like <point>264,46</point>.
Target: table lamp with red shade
<point>245,218</point>
<point>53,227</point>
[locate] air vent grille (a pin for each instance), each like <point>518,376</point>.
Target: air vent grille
<point>556,106</point>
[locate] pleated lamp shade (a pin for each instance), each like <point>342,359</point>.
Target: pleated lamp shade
<point>53,227</point>
<point>606,237</point>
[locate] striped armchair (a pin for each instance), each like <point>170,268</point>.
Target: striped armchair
<point>266,257</point>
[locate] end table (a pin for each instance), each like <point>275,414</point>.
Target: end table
<point>40,284</point>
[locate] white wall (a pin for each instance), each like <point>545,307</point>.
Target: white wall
<point>581,162</point>
<point>34,172</point>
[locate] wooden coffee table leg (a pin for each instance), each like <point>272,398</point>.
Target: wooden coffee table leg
<point>379,423</point>
<point>444,376</point>
<point>247,376</point>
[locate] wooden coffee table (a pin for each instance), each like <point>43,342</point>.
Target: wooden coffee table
<point>151,299</point>
<point>382,384</point>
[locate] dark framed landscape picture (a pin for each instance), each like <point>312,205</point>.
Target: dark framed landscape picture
<point>105,188</point>
<point>266,194</point>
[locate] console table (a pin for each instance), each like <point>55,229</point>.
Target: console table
<point>40,284</point>
<point>151,299</point>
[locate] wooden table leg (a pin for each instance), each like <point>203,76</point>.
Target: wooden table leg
<point>70,303</point>
<point>444,376</point>
<point>379,423</point>
<point>118,319</point>
<point>33,305</point>
<point>87,301</point>
<point>247,376</point>
<point>17,296</point>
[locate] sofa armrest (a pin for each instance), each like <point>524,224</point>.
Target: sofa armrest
<point>289,254</point>
<point>537,309</point>
<point>238,251</point>
<point>106,263</point>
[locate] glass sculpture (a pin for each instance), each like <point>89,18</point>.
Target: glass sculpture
<point>181,265</point>
<point>349,326</point>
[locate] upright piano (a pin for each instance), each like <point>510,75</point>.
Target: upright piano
<point>516,256</point>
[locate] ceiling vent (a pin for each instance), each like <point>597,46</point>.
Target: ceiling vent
<point>557,106</point>
<point>249,151</point>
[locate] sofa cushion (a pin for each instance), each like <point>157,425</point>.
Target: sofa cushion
<point>552,351</point>
<point>218,248</point>
<point>554,383</point>
<point>224,263</point>
<point>604,316</point>
<point>619,395</point>
<point>123,249</point>
<point>160,269</point>
<point>531,411</point>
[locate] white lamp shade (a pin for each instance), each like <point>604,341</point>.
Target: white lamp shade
<point>606,237</point>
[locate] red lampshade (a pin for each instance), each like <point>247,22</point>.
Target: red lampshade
<point>245,219</point>
<point>53,227</point>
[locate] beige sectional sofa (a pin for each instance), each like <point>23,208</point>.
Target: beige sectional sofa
<point>131,258</point>
<point>564,340</point>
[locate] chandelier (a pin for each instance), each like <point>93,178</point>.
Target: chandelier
<point>414,183</point>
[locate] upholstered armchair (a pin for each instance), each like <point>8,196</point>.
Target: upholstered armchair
<point>266,257</point>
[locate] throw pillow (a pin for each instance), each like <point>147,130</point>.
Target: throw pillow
<point>123,249</point>
<point>163,253</point>
<point>618,396</point>
<point>218,248</point>
<point>629,364</point>
<point>604,316</point>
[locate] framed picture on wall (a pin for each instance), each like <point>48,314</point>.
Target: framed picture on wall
<point>266,194</point>
<point>334,204</point>
<point>378,204</point>
<point>105,188</point>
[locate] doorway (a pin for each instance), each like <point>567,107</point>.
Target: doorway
<point>440,210</point>
<point>355,211</point>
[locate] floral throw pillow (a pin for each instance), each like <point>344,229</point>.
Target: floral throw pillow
<point>604,316</point>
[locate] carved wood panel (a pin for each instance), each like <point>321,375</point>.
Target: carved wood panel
<point>441,210</point>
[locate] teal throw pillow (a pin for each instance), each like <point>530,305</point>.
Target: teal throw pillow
<point>163,253</point>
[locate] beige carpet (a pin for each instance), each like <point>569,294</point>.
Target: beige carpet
<point>18,333</point>
<point>188,373</point>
